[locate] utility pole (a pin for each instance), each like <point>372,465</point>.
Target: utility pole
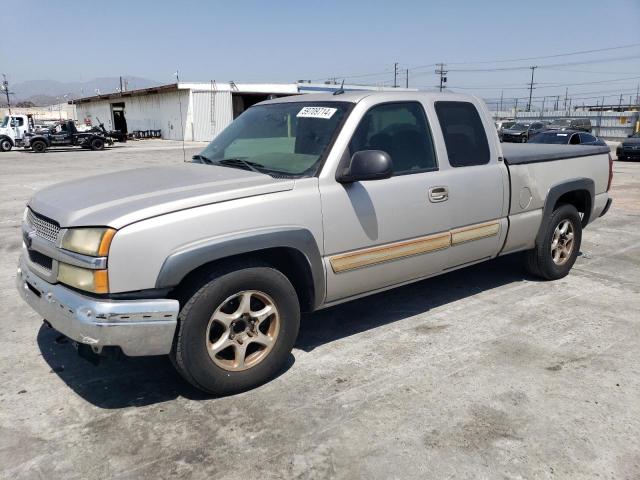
<point>566,94</point>
<point>542,111</point>
<point>121,90</point>
<point>533,69</point>
<point>442,72</point>
<point>620,104</point>
<point>395,75</point>
<point>407,84</point>
<point>515,109</point>
<point>638,94</point>
<point>501,94</point>
<point>5,87</point>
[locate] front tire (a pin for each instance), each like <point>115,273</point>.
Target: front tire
<point>554,256</point>
<point>5,145</point>
<point>237,330</point>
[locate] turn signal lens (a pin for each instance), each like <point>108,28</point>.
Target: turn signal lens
<point>96,281</point>
<point>89,241</point>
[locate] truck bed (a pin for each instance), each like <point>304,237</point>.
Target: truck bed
<point>516,154</point>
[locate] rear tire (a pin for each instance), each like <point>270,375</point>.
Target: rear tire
<point>554,256</point>
<point>221,346</point>
<point>97,144</point>
<point>5,145</point>
<point>39,146</point>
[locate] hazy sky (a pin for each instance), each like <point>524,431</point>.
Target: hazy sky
<point>286,41</point>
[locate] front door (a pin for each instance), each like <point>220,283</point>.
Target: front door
<point>386,232</point>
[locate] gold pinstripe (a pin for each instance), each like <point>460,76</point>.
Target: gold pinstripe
<point>366,257</point>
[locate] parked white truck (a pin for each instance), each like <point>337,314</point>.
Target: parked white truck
<point>301,203</point>
<point>13,129</point>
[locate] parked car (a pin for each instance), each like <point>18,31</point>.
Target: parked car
<point>501,125</point>
<point>521,132</point>
<point>567,137</point>
<point>295,207</point>
<point>583,124</point>
<point>629,149</point>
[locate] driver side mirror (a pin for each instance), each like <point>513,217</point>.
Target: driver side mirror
<point>367,165</point>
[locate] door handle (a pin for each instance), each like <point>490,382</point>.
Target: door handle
<point>438,194</point>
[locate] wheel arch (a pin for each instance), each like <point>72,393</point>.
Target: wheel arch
<point>579,192</point>
<point>7,137</point>
<point>40,138</point>
<point>293,251</point>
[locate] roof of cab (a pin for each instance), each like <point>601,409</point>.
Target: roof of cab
<point>352,97</point>
<point>357,96</point>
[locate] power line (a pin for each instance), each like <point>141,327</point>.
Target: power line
<point>582,52</point>
<point>584,62</point>
<point>543,84</point>
<point>485,62</point>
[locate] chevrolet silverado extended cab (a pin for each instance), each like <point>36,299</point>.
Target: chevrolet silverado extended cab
<point>301,203</point>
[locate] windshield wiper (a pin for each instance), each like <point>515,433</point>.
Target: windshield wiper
<point>202,159</point>
<point>241,162</point>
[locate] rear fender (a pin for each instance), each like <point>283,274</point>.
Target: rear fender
<point>557,191</point>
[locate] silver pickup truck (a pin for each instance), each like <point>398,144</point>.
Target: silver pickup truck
<point>301,203</point>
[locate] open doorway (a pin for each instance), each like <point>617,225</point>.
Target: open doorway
<point>242,101</point>
<point>119,120</point>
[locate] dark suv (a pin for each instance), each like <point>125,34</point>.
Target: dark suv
<point>522,131</point>
<point>583,124</point>
<point>629,149</point>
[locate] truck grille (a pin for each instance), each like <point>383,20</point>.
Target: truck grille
<point>41,260</point>
<point>44,227</point>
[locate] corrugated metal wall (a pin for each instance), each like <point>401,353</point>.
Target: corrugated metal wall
<point>212,112</point>
<point>160,111</point>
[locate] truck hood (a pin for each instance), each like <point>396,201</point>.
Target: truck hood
<point>120,198</point>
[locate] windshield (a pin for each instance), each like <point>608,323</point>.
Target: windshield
<point>520,126</point>
<point>635,135</point>
<point>282,138</point>
<point>561,122</point>
<point>559,138</point>
<point>5,122</point>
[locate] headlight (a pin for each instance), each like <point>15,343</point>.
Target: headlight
<point>96,281</point>
<point>88,241</point>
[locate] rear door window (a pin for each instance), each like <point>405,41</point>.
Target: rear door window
<point>586,138</point>
<point>464,134</point>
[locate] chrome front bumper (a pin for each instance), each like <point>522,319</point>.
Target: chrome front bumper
<point>138,327</point>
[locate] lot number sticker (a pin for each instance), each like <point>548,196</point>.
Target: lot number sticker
<point>316,112</point>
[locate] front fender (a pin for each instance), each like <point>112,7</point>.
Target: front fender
<point>183,261</point>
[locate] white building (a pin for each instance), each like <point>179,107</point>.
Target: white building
<point>200,110</point>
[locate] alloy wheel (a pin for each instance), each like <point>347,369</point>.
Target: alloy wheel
<point>243,330</point>
<point>562,242</point>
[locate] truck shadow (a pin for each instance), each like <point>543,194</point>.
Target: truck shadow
<point>141,381</point>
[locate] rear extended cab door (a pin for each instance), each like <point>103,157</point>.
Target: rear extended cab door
<point>475,176</point>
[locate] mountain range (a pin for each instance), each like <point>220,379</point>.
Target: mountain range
<point>44,92</point>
